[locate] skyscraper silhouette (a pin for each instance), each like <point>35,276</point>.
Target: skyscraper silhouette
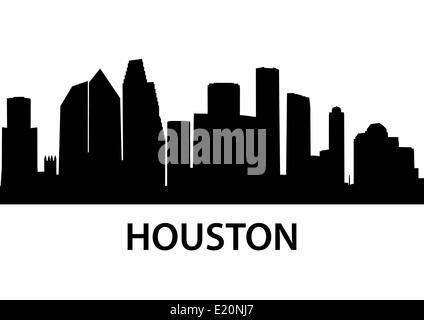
<point>326,172</point>
<point>142,127</point>
<point>73,147</point>
<point>268,115</point>
<point>104,129</point>
<point>298,136</point>
<point>336,146</point>
<point>19,157</point>
<point>228,151</point>
<point>224,114</point>
<point>226,169</point>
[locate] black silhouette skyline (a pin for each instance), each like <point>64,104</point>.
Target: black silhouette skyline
<point>104,159</point>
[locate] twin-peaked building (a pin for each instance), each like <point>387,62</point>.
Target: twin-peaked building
<point>91,153</point>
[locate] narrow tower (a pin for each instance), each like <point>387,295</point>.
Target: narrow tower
<point>298,135</point>
<point>142,128</point>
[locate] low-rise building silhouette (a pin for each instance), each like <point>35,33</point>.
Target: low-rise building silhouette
<point>379,162</point>
<point>50,166</point>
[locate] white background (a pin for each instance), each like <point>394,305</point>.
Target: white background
<point>80,252</point>
<point>364,56</point>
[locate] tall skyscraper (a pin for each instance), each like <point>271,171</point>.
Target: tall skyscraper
<point>336,145</point>
<point>73,148</point>
<point>268,115</point>
<point>104,127</point>
<point>298,135</point>
<point>19,156</point>
<point>142,128</point>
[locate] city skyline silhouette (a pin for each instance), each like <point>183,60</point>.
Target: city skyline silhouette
<point>112,151</point>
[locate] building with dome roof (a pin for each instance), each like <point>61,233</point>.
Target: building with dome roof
<point>380,162</point>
